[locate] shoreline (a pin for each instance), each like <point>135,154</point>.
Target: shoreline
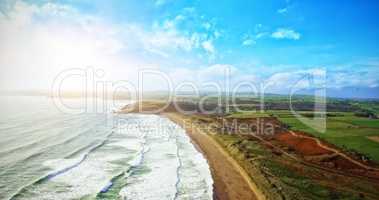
<point>230,180</point>
<point>255,168</point>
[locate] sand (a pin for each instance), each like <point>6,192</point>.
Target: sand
<point>230,180</point>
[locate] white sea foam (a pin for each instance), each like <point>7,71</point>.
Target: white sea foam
<point>195,176</point>
<point>173,168</point>
<point>156,155</point>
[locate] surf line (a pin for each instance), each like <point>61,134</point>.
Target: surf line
<point>178,168</point>
<point>64,170</point>
<point>133,164</point>
<point>52,175</point>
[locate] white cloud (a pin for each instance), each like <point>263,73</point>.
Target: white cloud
<point>39,41</point>
<point>169,37</point>
<point>207,25</point>
<point>285,33</point>
<point>216,73</point>
<point>248,42</point>
<point>250,39</point>
<point>348,79</point>
<point>216,70</point>
<point>217,34</point>
<point>161,2</point>
<point>208,46</point>
<point>295,80</point>
<point>277,81</point>
<point>282,10</point>
<point>261,35</point>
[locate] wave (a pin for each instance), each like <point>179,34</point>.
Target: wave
<point>38,125</point>
<point>52,175</point>
<point>133,164</point>
<point>177,169</point>
<point>138,160</point>
<point>39,151</point>
<point>47,138</point>
<point>62,171</point>
<point>80,150</point>
<point>160,164</point>
<point>106,187</point>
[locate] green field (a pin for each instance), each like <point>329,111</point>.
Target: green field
<point>343,129</point>
<point>248,114</point>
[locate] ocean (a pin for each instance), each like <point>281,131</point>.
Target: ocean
<point>49,154</point>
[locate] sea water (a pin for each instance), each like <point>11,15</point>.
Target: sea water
<point>49,154</point>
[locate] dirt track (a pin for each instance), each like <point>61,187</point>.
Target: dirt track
<point>335,151</point>
<point>374,138</point>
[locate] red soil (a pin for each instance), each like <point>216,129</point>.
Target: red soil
<point>343,163</point>
<point>303,146</point>
<point>309,147</point>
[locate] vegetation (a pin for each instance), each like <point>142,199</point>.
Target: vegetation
<point>278,178</point>
<point>347,132</point>
<point>349,122</point>
<point>343,129</point>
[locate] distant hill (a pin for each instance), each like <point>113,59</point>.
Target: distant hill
<point>354,92</point>
<point>345,92</point>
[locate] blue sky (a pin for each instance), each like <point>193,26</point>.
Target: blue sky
<point>257,39</point>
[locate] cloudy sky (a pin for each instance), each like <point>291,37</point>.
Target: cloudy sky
<point>190,40</point>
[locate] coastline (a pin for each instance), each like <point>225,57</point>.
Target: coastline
<point>231,181</point>
<point>254,168</point>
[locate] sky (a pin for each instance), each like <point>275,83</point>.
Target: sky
<point>259,41</point>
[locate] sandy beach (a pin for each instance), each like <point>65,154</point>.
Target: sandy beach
<point>230,179</point>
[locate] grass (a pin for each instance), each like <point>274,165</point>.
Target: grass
<point>248,114</point>
<point>343,129</point>
<point>347,132</point>
<point>359,121</point>
<point>292,184</point>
